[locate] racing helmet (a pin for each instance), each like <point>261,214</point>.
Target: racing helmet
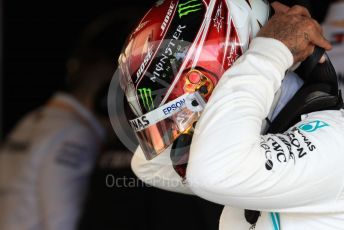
<point>174,58</point>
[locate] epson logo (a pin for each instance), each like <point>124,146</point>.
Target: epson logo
<point>167,17</point>
<point>174,106</point>
<point>144,63</point>
<point>139,123</point>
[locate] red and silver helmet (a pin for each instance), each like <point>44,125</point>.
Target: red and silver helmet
<point>175,57</point>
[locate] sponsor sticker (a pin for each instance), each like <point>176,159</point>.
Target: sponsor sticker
<point>167,18</point>
<point>146,97</point>
<point>313,126</point>
<point>144,64</point>
<point>189,7</point>
<point>282,148</point>
<point>185,102</point>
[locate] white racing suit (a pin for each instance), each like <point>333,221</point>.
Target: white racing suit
<point>45,165</point>
<point>297,174</point>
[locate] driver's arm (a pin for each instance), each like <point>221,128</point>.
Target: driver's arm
<point>158,172</point>
<point>232,164</point>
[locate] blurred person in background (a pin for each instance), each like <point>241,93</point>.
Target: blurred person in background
<point>334,31</point>
<point>46,161</point>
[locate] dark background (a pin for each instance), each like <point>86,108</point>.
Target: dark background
<point>40,35</point>
<point>38,38</point>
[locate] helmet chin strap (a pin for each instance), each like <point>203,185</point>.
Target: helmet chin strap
<point>306,67</point>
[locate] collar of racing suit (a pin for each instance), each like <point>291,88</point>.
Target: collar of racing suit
<point>290,85</point>
<point>68,103</point>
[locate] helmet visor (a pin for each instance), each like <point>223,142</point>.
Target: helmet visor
<point>159,128</point>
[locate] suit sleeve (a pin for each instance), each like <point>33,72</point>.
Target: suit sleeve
<point>231,163</point>
<point>158,172</point>
<point>64,176</point>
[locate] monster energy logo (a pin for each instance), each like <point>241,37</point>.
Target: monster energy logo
<point>146,97</point>
<point>189,7</point>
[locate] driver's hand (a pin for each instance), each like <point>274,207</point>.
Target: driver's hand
<point>296,29</point>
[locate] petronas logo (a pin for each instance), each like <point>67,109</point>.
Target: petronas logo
<point>189,7</point>
<point>147,99</point>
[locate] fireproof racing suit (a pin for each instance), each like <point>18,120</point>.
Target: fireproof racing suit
<point>45,165</point>
<point>294,178</point>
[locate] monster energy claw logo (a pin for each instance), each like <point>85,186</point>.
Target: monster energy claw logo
<point>146,97</point>
<point>189,7</point>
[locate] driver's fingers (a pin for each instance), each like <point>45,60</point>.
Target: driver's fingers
<point>318,26</point>
<point>316,38</point>
<point>300,10</point>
